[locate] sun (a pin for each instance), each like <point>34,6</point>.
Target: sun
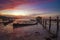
<point>15,12</point>
<point>19,12</point>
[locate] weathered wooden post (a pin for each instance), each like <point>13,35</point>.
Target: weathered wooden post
<point>42,21</point>
<point>49,23</point>
<point>57,31</point>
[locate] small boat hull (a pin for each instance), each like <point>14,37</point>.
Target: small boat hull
<point>22,25</point>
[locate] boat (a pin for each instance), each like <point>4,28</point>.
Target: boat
<point>16,25</point>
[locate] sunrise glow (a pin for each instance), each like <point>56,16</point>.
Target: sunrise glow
<point>29,7</point>
<point>15,12</point>
<point>19,12</point>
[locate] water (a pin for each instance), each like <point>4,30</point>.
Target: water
<point>34,32</point>
<point>54,28</point>
<point>26,32</point>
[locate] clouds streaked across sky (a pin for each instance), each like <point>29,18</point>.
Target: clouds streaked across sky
<point>40,5</point>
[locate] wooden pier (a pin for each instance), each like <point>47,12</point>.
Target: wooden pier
<point>44,24</point>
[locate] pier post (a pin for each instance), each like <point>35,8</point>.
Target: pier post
<point>49,23</point>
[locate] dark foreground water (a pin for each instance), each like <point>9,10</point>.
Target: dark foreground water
<point>32,32</point>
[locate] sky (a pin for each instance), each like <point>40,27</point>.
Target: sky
<point>29,7</point>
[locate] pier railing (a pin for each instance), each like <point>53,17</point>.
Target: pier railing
<point>47,24</point>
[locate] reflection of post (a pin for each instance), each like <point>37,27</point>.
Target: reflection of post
<point>57,31</point>
<point>49,23</point>
<point>45,23</point>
